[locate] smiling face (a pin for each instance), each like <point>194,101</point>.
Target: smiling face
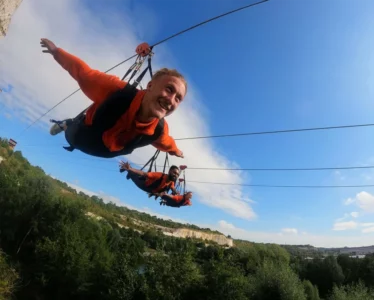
<point>173,174</point>
<point>164,94</point>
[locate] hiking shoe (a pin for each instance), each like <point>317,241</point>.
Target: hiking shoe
<point>57,128</point>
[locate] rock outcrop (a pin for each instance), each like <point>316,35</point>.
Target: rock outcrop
<point>7,9</point>
<point>220,239</point>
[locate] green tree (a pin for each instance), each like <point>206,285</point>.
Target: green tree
<point>367,270</point>
<point>311,290</point>
<point>275,282</point>
<point>324,273</point>
<point>173,276</point>
<point>8,278</point>
<point>356,291</point>
<point>122,281</point>
<point>224,282</point>
<point>350,267</point>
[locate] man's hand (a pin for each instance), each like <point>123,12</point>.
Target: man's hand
<point>175,192</point>
<point>51,47</point>
<point>177,153</point>
<point>124,166</point>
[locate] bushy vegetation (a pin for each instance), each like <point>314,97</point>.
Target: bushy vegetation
<point>51,249</point>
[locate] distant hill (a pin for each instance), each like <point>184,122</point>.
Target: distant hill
<point>311,251</point>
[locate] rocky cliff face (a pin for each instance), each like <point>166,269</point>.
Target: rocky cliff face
<point>7,9</point>
<point>220,239</point>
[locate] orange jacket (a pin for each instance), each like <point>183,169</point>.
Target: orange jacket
<point>97,86</point>
<point>177,199</point>
<point>153,176</point>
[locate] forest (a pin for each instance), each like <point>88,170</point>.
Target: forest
<point>51,249</point>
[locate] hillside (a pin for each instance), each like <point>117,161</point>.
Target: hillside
<point>132,218</point>
<point>60,244</point>
<point>312,252</point>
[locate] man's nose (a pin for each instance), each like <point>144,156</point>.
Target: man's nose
<point>169,100</point>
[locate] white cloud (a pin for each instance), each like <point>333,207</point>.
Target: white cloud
<point>106,198</point>
<point>365,201</point>
<point>354,214</point>
<point>349,201</point>
<point>345,225</point>
<point>289,230</point>
<point>368,230</point>
<point>225,225</point>
<point>352,225</point>
<point>80,189</point>
<point>102,41</point>
<point>291,239</point>
<point>343,218</point>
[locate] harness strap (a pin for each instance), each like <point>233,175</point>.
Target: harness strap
<point>129,70</point>
<point>152,161</point>
<point>149,67</point>
<point>184,184</point>
<point>166,162</point>
<point>137,68</point>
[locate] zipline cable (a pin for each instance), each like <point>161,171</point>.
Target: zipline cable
<point>286,186</point>
<point>209,20</point>
<point>156,44</point>
<point>243,184</point>
<point>229,169</point>
<point>269,132</point>
<point>276,131</point>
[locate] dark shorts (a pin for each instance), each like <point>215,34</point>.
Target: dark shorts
<point>88,139</point>
<point>139,182</point>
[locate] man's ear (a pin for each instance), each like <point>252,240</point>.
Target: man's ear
<point>149,84</point>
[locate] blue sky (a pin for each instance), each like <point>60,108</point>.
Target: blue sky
<point>279,65</point>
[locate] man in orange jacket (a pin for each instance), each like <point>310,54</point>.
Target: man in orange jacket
<point>156,182</point>
<point>139,115</point>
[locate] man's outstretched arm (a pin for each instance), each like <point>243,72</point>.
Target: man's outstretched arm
<point>126,166</point>
<point>166,143</point>
<point>95,84</point>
